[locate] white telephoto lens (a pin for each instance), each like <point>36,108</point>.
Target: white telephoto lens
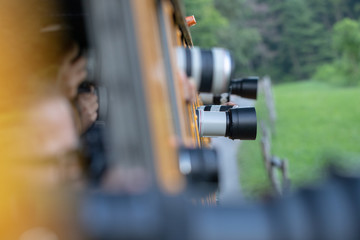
<point>212,124</point>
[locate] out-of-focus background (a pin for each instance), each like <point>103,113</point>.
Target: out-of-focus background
<point>311,51</point>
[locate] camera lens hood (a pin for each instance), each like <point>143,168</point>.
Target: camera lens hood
<point>243,124</point>
<point>246,88</point>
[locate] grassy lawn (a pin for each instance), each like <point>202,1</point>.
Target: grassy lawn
<point>317,124</point>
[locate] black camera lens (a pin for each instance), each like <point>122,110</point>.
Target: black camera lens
<point>242,124</point>
<point>199,164</point>
<point>210,69</point>
<point>245,87</point>
<point>236,123</point>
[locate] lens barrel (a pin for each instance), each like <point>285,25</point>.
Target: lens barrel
<point>236,123</point>
<point>246,87</point>
<point>210,69</point>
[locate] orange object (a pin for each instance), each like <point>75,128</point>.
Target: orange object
<point>190,20</point>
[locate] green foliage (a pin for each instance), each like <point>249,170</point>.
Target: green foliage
<point>346,42</point>
<point>317,125</point>
<point>329,73</point>
<point>242,43</point>
<point>209,21</point>
<point>221,24</point>
<point>302,44</point>
<point>286,39</point>
<point>346,39</point>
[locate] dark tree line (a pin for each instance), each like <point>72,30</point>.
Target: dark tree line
<point>287,39</point>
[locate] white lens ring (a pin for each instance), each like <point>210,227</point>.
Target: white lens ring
<point>212,124</point>
<point>181,60</point>
<point>222,70</point>
<point>196,66</point>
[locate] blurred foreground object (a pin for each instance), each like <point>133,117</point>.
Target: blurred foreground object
<point>330,212</point>
<point>38,140</point>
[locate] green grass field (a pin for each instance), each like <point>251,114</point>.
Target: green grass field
<point>317,124</point>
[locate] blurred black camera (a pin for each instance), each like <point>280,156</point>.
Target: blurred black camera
<point>200,166</point>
